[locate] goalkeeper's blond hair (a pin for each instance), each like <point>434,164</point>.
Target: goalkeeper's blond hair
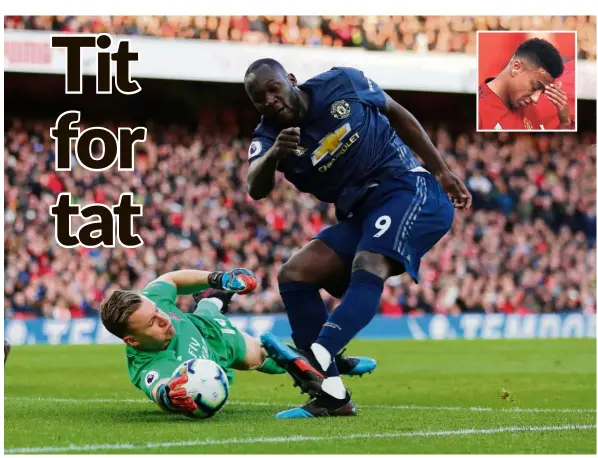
<point>116,309</point>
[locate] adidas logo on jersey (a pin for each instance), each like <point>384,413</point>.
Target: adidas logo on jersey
<point>371,85</point>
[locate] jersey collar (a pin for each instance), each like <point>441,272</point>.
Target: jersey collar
<point>494,99</point>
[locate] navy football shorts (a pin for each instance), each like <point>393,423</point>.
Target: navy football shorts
<point>402,219</point>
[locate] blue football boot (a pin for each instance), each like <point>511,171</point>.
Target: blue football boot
<point>322,405</point>
<point>306,376</point>
<point>354,365</point>
<point>346,365</point>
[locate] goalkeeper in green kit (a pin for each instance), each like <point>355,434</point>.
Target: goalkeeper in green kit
<point>159,337</point>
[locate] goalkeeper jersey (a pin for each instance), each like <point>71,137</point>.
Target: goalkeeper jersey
<point>149,368</point>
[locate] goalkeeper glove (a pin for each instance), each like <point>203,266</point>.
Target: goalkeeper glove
<point>172,396</point>
<point>240,281</point>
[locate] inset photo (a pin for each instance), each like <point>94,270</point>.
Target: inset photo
<point>526,81</point>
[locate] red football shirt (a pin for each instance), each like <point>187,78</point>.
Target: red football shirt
<point>545,111</point>
<point>495,115</point>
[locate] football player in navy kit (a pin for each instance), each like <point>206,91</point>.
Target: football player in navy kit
<point>342,139</point>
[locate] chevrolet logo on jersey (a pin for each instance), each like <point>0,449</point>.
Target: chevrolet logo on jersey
<point>339,154</point>
<point>332,143</point>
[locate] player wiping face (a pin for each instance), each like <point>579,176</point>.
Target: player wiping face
<point>506,101</point>
<point>528,83</point>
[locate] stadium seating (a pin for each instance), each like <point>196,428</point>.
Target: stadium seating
<point>414,33</point>
<point>527,245</point>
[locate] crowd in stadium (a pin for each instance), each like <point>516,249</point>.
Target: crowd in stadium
<point>416,33</point>
<point>526,246</point>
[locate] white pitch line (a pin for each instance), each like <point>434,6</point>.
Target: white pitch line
<point>278,404</point>
<point>482,409</point>
<point>283,439</point>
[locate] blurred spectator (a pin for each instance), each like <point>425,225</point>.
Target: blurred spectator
<point>527,246</point>
<point>412,33</point>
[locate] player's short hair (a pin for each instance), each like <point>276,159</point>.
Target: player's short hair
<point>116,309</point>
<point>543,54</point>
<point>273,64</point>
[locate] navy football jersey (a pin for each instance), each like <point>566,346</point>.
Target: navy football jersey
<point>345,140</point>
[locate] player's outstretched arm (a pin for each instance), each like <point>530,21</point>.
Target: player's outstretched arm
<point>260,177</point>
<point>240,281</point>
<point>414,135</point>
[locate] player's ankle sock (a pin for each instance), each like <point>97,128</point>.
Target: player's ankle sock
<point>324,360</point>
<point>305,309</point>
<point>332,370</point>
<point>334,387</point>
<point>354,313</point>
<point>269,366</point>
<point>323,357</point>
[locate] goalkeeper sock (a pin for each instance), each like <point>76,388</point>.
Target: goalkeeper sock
<point>269,366</point>
<point>305,309</point>
<point>353,314</point>
<point>210,306</point>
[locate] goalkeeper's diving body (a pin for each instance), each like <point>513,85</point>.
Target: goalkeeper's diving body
<point>159,337</point>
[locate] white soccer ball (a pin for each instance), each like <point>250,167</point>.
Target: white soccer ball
<point>207,384</point>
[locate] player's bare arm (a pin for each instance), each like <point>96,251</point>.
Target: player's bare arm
<point>255,356</point>
<point>260,178</point>
<point>414,135</point>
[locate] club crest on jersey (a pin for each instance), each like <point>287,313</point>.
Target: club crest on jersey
<point>301,150</point>
<point>340,109</point>
<point>151,377</point>
<point>255,148</point>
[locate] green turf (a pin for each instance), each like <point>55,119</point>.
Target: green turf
<point>41,383</point>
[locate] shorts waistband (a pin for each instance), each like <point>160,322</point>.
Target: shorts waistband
<point>419,169</point>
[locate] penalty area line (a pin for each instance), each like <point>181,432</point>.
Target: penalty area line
<point>288,439</point>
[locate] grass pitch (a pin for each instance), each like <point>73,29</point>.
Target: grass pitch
<point>534,396</point>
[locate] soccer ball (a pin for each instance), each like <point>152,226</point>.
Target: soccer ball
<point>207,384</point>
